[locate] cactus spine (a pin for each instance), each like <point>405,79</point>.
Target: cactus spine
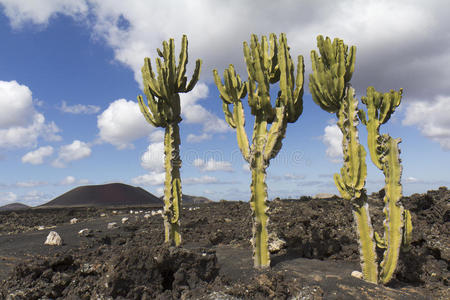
<point>331,90</point>
<point>263,68</point>
<point>385,153</point>
<point>163,110</point>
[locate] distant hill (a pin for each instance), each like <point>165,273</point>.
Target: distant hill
<point>113,194</point>
<point>187,199</point>
<point>14,206</point>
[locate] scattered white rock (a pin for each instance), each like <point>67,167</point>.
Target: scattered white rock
<point>131,212</point>
<point>147,216</point>
<point>84,232</point>
<point>124,220</point>
<point>140,211</point>
<point>159,212</point>
<point>112,225</point>
<point>73,221</point>
<point>227,220</point>
<point>357,274</point>
<point>53,239</point>
<point>114,212</point>
<point>102,215</point>
<point>40,227</point>
<point>275,243</point>
<point>136,212</point>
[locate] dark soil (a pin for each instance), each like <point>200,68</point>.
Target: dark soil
<point>214,262</point>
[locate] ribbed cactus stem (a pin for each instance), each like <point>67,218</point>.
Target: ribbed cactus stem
<point>393,210</point>
<point>172,186</point>
<point>258,201</point>
<point>366,242</point>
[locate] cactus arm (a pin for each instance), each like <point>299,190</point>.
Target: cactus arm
<point>276,134</point>
<point>181,68</point>
<point>365,239</point>
<point>407,230</point>
<point>228,115</point>
<point>393,210</point>
<point>195,76</point>
<point>239,117</point>
<point>172,185</point>
<point>145,111</point>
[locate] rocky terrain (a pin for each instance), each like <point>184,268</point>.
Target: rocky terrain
<point>317,251</point>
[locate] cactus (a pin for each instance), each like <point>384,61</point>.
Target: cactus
<point>263,68</point>
<point>163,110</point>
<point>331,90</point>
<point>385,153</point>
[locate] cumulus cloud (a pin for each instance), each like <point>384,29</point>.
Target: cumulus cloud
<point>122,123</point>
<point>40,11</point>
<point>152,178</point>
<point>153,158</point>
<point>212,165</point>
<point>399,43</point>
<point>332,138</point>
<point>433,119</point>
<point>22,125</point>
<point>36,157</point>
<point>79,108</point>
<point>75,151</point>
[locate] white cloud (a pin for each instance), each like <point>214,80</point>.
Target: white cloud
<point>36,157</point>
<point>40,11</point>
<point>22,125</point>
<point>159,192</point>
<point>79,108</point>
<point>157,136</point>
<point>246,167</point>
<point>153,158</point>
<point>83,181</point>
<point>200,180</point>
<point>333,140</point>
<point>212,165</point>
<point>193,138</point>
<point>433,119</point>
<point>152,178</point>
<point>411,180</point>
<point>75,151</point>
<point>34,198</point>
<point>122,123</point>
<point>7,197</point>
<point>68,180</point>
<point>412,29</point>
<point>291,176</point>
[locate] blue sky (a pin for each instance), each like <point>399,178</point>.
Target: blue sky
<point>70,74</point>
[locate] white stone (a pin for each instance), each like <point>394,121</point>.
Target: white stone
<point>357,274</point>
<point>40,227</point>
<point>53,239</point>
<point>131,211</point>
<point>73,221</point>
<point>275,243</point>
<point>136,212</point>
<point>147,216</point>
<point>102,215</point>
<point>124,220</point>
<point>140,211</point>
<point>112,225</point>
<point>114,212</point>
<point>84,232</point>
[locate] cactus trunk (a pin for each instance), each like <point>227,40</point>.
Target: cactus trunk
<point>393,210</point>
<point>364,231</point>
<point>258,202</point>
<point>172,184</point>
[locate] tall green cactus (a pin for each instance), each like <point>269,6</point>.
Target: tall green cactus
<point>264,67</point>
<point>163,110</point>
<point>385,154</point>
<point>331,90</point>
